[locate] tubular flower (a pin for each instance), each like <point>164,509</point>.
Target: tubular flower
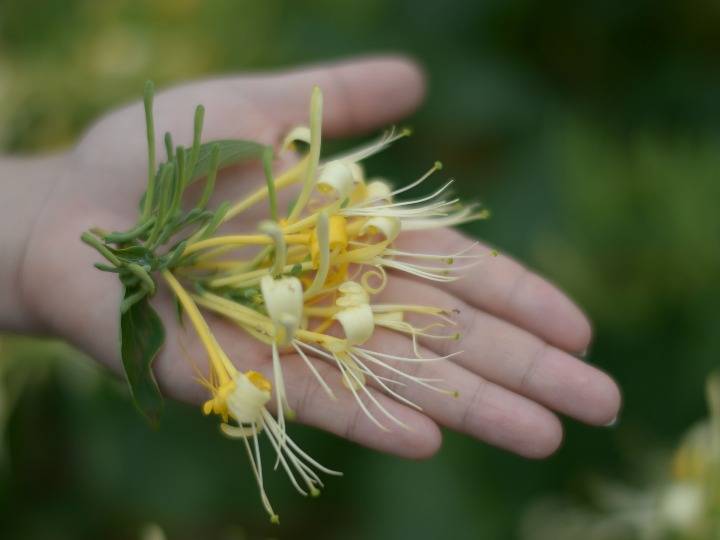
<point>303,284</point>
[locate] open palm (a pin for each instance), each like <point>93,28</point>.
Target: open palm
<point>519,332</point>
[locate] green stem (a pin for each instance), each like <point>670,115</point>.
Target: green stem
<point>267,157</point>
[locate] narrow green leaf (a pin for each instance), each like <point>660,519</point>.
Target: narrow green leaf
<point>131,234</point>
<point>197,132</point>
<point>132,252</point>
<point>141,336</point>
<point>169,148</point>
<point>176,254</point>
<point>211,176</point>
<point>216,220</point>
<point>101,248</point>
<point>150,126</point>
<point>231,152</point>
<point>107,268</point>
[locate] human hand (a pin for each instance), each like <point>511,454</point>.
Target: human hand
<point>520,332</point>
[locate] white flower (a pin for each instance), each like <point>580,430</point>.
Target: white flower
<point>682,505</point>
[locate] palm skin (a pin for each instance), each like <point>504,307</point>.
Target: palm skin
<point>520,333</point>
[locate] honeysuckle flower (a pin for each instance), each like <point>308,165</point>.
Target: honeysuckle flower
<point>242,397</point>
<point>246,404</point>
<point>283,298</point>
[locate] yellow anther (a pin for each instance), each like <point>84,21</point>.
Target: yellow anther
<point>259,380</point>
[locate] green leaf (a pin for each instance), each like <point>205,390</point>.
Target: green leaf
<point>141,336</point>
<point>231,152</point>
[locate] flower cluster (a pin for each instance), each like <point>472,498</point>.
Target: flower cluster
<point>309,286</point>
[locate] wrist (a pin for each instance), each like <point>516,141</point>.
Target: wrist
<point>26,184</point>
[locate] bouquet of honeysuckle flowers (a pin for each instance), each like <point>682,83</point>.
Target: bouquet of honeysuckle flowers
<point>307,286</point>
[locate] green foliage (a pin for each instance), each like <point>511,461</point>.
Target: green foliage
<point>230,152</point>
<point>135,255</point>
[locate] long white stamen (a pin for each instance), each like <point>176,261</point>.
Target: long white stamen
<point>280,396</point>
<point>436,167</point>
<point>409,202</point>
<point>379,380</point>
<point>462,216</point>
<point>421,381</point>
<point>377,403</point>
<point>308,475</point>
<point>365,152</point>
<point>357,397</point>
<point>271,434</point>
<point>314,370</point>
<point>437,210</point>
<point>292,444</point>
<point>443,277</point>
<point>405,359</point>
<point>258,478</point>
<point>322,353</point>
<point>416,255</point>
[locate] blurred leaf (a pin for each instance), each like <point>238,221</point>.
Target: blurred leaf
<point>141,336</point>
<point>232,152</point>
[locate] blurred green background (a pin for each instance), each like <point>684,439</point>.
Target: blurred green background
<point>592,129</point>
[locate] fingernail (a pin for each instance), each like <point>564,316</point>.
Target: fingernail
<point>614,422</point>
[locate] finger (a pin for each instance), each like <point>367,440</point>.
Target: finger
<point>482,408</point>
<point>359,95</point>
<point>517,359</point>
<point>503,287</point>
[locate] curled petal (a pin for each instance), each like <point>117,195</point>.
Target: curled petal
<point>296,134</point>
<point>352,294</point>
<point>336,178</point>
<point>358,323</point>
<point>378,190</point>
<point>387,227</point>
